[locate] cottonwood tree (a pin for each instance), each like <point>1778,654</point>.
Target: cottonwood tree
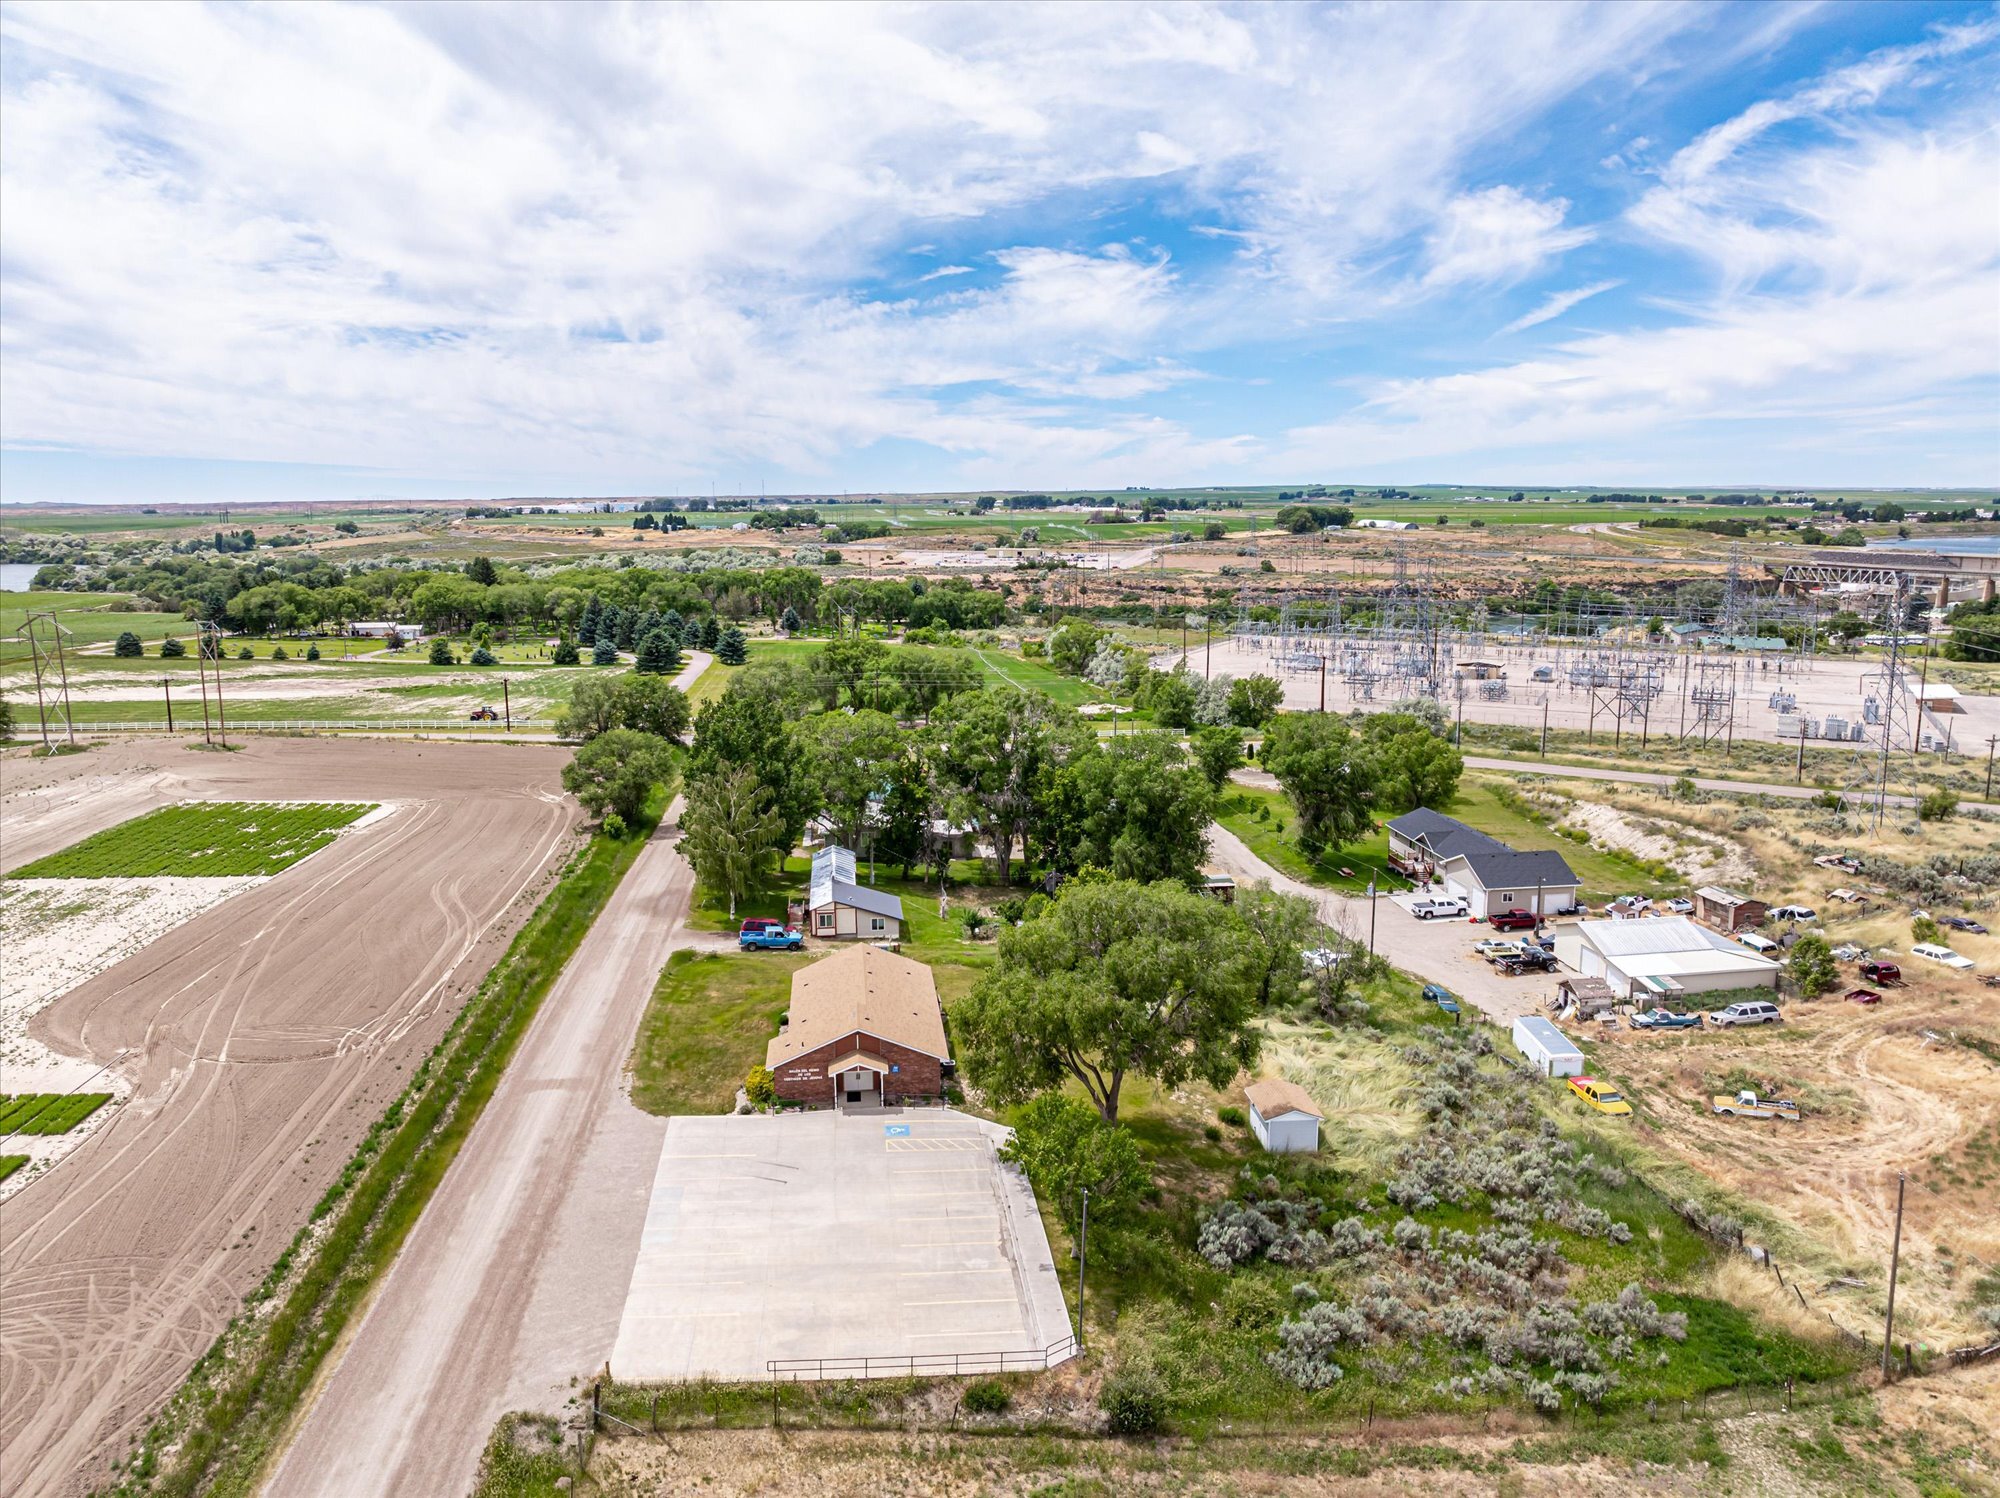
<point>999,753</point>
<point>1117,979</point>
<point>750,726</point>
<point>1810,964</point>
<point>1217,751</point>
<point>1281,927</point>
<point>732,832</point>
<point>1253,699</point>
<point>1320,763</point>
<point>1409,765</point>
<point>1134,806</point>
<point>850,756</point>
<point>616,772</point>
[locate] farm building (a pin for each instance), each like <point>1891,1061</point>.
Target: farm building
<point>864,1027</point>
<point>1726,910</point>
<point>383,629</point>
<point>1548,1050</point>
<point>1283,1116</point>
<point>836,906</point>
<point>1587,997</point>
<point>1664,959</point>
<point>1489,875</point>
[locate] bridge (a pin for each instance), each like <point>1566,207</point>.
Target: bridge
<point>1938,570</point>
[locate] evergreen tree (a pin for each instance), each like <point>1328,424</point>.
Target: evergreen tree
<point>170,648</point>
<point>789,621</point>
<point>484,657</point>
<point>659,654</point>
<point>593,616</point>
<point>480,570</point>
<point>711,633</point>
<point>691,633</point>
<point>627,631</point>
<point>441,653</point>
<point>312,652</point>
<point>671,619</point>
<point>731,649</point>
<point>128,646</point>
<point>565,654</point>
<point>604,653</point>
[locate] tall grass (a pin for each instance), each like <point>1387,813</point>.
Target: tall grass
<point>239,1398</point>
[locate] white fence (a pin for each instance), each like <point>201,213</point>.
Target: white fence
<point>191,723</point>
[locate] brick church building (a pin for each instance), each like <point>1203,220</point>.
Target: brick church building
<point>865,1027</point>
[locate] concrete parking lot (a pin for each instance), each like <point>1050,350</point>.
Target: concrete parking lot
<point>885,1234</point>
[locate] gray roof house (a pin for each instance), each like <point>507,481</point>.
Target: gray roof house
<point>1492,877</point>
<point>837,906</point>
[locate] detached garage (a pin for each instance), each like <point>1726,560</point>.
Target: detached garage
<point>1548,1050</point>
<point>1283,1116</point>
<point>1646,960</point>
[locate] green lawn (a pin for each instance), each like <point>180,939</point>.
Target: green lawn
<point>86,619</point>
<point>48,1112</point>
<point>210,838</point>
<point>1264,819</point>
<point>11,1163</point>
<point>707,1024</point>
<point>1480,803</point>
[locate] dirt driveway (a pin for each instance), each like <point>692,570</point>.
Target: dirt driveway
<point>261,1039</point>
<point>1436,951</point>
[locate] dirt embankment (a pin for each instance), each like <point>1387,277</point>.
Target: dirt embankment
<point>259,1041</point>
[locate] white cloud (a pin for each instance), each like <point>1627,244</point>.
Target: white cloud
<point>1497,236</point>
<point>542,239</point>
<point>1554,305</point>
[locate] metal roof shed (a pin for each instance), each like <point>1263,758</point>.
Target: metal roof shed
<point>1283,1116</point>
<point>1548,1050</point>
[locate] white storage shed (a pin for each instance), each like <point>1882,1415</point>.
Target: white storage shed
<point>1283,1116</point>
<point>1548,1050</point>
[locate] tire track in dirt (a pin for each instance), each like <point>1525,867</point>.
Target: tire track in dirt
<point>262,1038</point>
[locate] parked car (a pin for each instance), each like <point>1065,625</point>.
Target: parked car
<point>1513,920</point>
<point>760,923</point>
<point>1681,905</point>
<point>1490,948</point>
<point>1848,952</point>
<point>1793,913</point>
<point>1763,946</point>
<point>1600,1095</point>
<point>1962,923</point>
<point>1850,896</point>
<point>1863,996</point>
<point>1319,959</point>
<point>1881,972</point>
<point>1441,996</point>
<point>770,939</point>
<point>1630,905</point>
<point>1750,1012</point>
<point>1450,905</point>
<point>1936,953</point>
<point>1665,1019</point>
<point>1528,960</point>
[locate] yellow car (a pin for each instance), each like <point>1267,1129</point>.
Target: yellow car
<point>1600,1095</point>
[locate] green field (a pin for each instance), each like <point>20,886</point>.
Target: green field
<point>11,1163</point>
<point>86,619</point>
<point>48,1112</point>
<point>210,838</point>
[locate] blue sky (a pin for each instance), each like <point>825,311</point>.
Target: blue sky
<point>432,251</point>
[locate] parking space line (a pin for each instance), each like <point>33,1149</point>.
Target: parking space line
<point>1005,1300</point>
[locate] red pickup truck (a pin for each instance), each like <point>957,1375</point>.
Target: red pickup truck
<point>1513,920</point>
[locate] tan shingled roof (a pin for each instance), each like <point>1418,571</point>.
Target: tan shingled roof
<point>863,988</point>
<point>1274,1096</point>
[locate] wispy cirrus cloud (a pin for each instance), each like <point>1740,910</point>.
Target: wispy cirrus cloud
<point>1555,304</point>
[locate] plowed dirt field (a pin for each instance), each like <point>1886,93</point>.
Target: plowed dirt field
<point>260,1039</point>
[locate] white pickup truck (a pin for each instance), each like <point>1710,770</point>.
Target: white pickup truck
<point>1749,1105</point>
<point>1450,905</point>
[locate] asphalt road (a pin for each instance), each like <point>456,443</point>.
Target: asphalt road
<point>412,1400</point>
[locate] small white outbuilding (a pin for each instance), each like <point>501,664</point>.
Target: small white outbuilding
<point>1283,1116</point>
<point>1548,1050</point>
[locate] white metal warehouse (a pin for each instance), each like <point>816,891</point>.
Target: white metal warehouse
<point>1665,958</point>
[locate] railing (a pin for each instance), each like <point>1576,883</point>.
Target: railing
<point>922,1364</point>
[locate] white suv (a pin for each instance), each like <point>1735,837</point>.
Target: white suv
<point>1793,913</point>
<point>1754,1013</point>
<point>1938,953</point>
<point>1424,910</point>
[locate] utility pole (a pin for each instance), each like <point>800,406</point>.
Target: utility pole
<point>1991,740</point>
<point>1082,1257</point>
<point>507,702</point>
<point>1545,727</point>
<point>1799,774</point>
<point>1371,917</point>
<point>1895,1254</point>
<point>1322,683</point>
<point>166,689</point>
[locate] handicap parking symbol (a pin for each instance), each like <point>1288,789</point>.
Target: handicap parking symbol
<point>896,1131</point>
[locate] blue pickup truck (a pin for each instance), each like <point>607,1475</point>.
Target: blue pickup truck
<point>771,939</point>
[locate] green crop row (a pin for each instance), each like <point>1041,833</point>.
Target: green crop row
<point>210,838</point>
<point>48,1112</point>
<point>11,1163</point>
